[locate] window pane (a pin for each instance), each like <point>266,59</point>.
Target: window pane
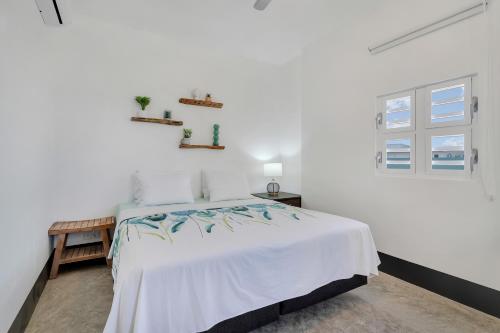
<point>398,112</point>
<point>448,152</point>
<point>448,104</point>
<point>398,154</point>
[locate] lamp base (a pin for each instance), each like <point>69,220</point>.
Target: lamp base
<point>273,189</point>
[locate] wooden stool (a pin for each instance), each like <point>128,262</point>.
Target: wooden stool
<point>65,255</point>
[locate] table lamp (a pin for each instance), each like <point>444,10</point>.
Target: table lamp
<point>273,170</point>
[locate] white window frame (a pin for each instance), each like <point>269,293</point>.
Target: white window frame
<point>381,147</point>
<point>456,130</point>
<point>421,131</point>
<point>467,82</point>
<point>381,109</point>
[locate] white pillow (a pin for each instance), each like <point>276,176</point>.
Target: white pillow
<point>204,185</point>
<point>226,185</point>
<point>163,188</point>
<point>136,188</point>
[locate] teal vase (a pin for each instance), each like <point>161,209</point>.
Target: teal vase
<point>216,134</point>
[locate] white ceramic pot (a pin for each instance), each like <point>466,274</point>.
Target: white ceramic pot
<point>186,141</point>
<point>195,93</point>
<point>141,114</point>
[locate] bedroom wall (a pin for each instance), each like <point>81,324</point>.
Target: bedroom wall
<point>102,67</point>
<point>446,225</point>
<point>68,147</point>
<point>26,150</point>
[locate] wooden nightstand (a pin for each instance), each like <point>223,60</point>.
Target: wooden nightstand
<point>65,255</point>
<point>283,197</point>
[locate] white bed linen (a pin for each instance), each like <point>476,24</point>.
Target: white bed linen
<point>193,283</point>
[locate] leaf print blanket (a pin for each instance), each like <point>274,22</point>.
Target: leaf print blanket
<point>185,268</point>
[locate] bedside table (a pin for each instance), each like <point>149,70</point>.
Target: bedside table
<point>283,197</point>
<point>83,252</point>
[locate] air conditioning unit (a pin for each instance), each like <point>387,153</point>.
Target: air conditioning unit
<point>54,12</point>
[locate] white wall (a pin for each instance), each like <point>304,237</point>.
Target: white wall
<point>103,68</point>
<point>26,150</point>
<point>446,225</point>
<point>68,147</point>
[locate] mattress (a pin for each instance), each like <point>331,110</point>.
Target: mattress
<point>185,268</point>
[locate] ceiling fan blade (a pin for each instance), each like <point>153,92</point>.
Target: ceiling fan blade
<point>261,4</point>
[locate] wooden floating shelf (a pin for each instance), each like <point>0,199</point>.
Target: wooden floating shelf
<point>158,121</point>
<point>183,146</point>
<point>200,102</point>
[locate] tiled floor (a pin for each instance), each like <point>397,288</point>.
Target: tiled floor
<point>80,298</point>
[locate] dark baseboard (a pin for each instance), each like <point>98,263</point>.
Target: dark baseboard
<point>24,315</point>
<point>468,293</point>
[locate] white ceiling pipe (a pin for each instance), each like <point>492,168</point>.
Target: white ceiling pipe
<point>429,28</point>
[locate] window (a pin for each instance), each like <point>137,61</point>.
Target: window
<point>448,127</point>
<point>397,112</point>
<point>448,151</point>
<point>396,153</point>
<point>438,118</point>
<point>396,138</point>
<point>448,104</point>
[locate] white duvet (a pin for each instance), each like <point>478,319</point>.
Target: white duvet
<point>192,266</point>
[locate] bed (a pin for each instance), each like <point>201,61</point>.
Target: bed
<point>230,266</point>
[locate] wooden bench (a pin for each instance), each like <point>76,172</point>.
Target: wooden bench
<point>65,255</point>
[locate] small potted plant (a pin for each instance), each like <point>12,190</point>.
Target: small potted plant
<point>143,102</point>
<point>187,136</point>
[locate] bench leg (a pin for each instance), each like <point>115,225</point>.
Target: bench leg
<point>61,243</point>
<point>105,245</point>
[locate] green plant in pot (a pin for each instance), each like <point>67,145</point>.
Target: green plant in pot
<point>143,102</point>
<point>186,140</point>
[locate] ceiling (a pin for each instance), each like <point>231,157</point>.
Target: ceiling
<point>275,35</point>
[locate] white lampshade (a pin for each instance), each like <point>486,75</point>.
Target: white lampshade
<point>273,170</point>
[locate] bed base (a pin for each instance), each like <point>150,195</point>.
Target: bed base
<point>261,317</point>
<point>321,294</point>
<point>248,321</point>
